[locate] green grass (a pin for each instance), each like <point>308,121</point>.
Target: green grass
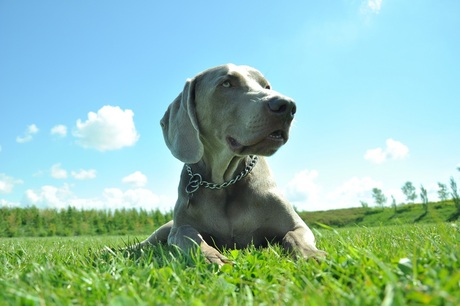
<point>392,265</point>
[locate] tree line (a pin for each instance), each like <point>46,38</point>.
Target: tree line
<point>34,222</point>
<point>445,193</point>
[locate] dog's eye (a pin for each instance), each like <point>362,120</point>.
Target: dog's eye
<point>268,86</point>
<point>227,84</point>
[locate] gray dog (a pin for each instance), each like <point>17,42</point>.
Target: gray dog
<point>220,126</point>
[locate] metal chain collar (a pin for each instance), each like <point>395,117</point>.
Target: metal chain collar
<point>196,180</point>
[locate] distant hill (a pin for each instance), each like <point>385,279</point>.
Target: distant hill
<point>405,214</point>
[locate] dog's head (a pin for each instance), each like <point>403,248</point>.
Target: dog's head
<point>230,109</point>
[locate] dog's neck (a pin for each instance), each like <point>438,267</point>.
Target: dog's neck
<point>220,168</point>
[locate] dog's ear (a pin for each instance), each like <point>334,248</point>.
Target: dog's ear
<point>180,126</point>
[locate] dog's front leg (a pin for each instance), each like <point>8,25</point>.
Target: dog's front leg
<point>158,236</point>
<point>301,243</point>
<point>187,238</point>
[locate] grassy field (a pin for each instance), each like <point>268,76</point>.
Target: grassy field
<point>404,214</point>
<point>393,265</point>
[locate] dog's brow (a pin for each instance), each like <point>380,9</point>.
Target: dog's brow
<point>256,75</point>
<point>232,76</point>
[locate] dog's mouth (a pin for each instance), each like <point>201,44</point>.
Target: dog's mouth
<point>268,143</point>
<point>277,135</point>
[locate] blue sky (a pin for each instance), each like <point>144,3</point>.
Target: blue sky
<point>83,85</point>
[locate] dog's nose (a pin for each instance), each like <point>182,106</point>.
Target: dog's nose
<point>282,105</point>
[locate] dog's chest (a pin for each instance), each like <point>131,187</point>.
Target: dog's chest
<point>236,218</point>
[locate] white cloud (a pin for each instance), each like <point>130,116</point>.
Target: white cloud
<point>84,174</point>
<point>131,198</point>
<point>5,203</point>
<point>394,150</point>
<point>137,179</point>
<point>59,130</point>
<point>57,172</point>
<point>28,134</point>
<point>48,197</point>
<point>354,190</point>
<point>303,191</point>
<point>374,5</point>
<point>7,183</point>
<point>371,6</point>
<point>377,155</point>
<point>110,128</point>
<point>111,198</point>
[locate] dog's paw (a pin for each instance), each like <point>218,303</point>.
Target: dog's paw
<point>315,254</point>
<point>310,254</point>
<point>213,256</point>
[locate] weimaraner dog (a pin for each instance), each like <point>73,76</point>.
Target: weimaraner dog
<point>220,126</point>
